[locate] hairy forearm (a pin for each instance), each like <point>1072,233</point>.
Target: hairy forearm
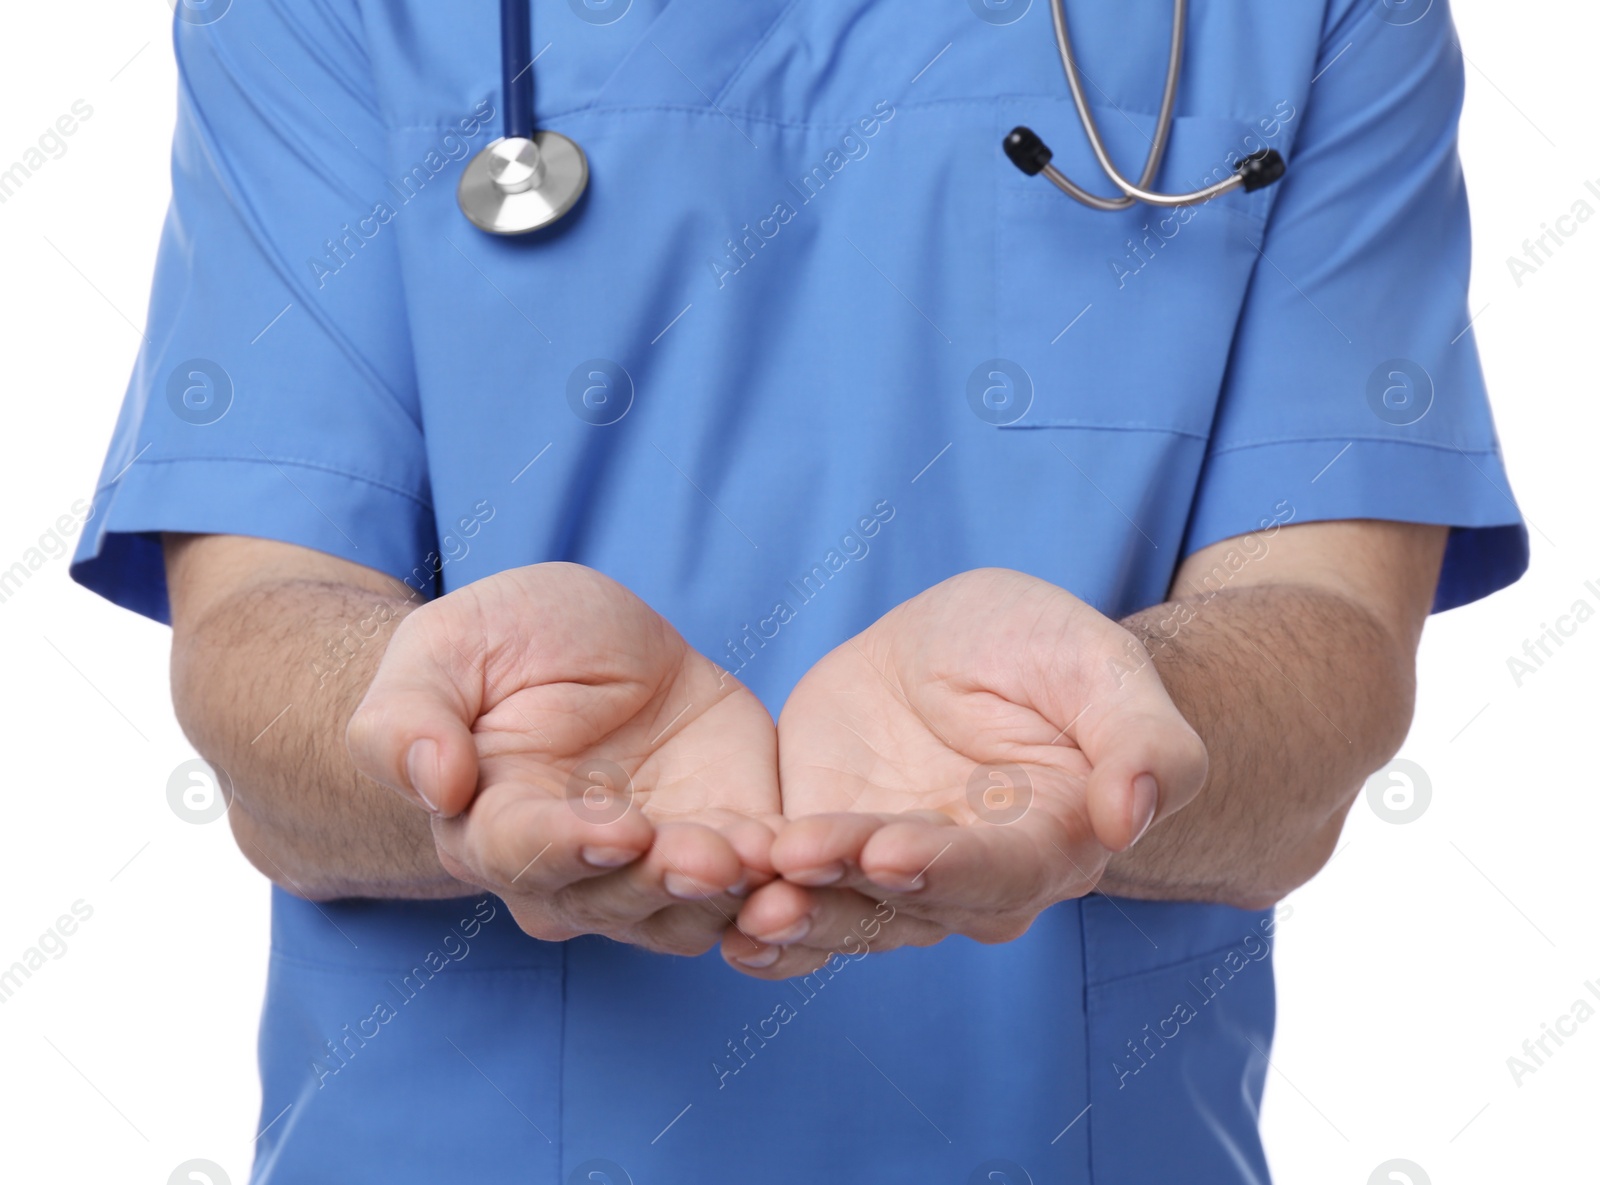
<point>264,684</point>
<point>1299,694</point>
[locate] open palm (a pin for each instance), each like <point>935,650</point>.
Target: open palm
<point>582,761</point>
<point>973,757</point>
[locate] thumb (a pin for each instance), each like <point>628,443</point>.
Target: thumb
<point>413,729</point>
<point>1145,763</point>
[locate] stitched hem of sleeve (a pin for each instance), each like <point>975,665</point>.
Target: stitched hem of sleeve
<point>354,518</point>
<point>1341,441</point>
<point>1244,489</point>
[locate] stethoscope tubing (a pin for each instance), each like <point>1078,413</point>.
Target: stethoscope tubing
<point>528,179</point>
<point>1131,193</point>
<point>516,67</point>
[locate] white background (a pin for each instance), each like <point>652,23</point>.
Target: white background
<point>1410,970</point>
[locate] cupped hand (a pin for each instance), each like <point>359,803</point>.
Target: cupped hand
<point>581,761</point>
<point>976,755</point>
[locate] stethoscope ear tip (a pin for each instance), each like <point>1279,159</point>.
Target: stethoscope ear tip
<point>1027,151</point>
<point>1261,169</point>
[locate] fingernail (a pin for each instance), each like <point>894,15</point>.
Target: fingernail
<point>756,960</point>
<point>740,887</point>
<point>789,934</point>
<point>422,767</point>
<point>685,889</point>
<point>896,882</point>
<point>608,857</point>
<point>1146,797</point>
<point>816,877</point>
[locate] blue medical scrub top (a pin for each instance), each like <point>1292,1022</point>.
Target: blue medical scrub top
<point>809,345</point>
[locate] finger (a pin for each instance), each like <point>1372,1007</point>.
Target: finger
<point>687,862</point>
<point>933,875</point>
<point>1146,762</point>
<point>752,841</point>
<point>787,915</point>
<point>521,840</point>
<point>781,962</point>
<point>684,928</point>
<point>761,961</point>
<point>965,874</point>
<point>845,926</point>
<point>819,850</point>
<point>412,730</point>
<point>689,927</point>
<point>691,862</point>
<point>854,923</point>
<point>780,912</point>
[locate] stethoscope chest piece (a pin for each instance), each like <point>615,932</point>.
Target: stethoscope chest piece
<point>518,185</point>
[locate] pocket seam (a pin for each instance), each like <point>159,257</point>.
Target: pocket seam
<point>1092,986</point>
<point>1058,425</point>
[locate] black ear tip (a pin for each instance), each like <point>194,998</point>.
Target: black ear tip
<point>1026,150</point>
<point>1261,169</point>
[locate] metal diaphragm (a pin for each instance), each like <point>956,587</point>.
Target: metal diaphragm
<point>515,186</point>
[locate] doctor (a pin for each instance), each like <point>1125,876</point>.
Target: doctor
<point>1084,553</point>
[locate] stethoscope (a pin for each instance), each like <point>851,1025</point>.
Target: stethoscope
<point>528,179</point>
<point>1028,152</point>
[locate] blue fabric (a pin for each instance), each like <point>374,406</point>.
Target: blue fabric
<point>805,250</point>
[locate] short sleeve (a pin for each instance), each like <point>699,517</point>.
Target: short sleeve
<point>274,395</point>
<point>1354,388</point>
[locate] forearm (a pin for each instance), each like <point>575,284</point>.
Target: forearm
<point>265,683</point>
<point>1299,693</point>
